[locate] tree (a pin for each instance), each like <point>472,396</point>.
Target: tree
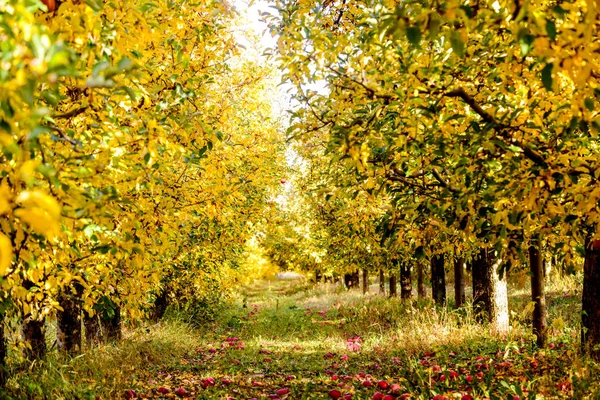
<point>491,134</point>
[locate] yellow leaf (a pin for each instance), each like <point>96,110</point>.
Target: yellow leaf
<point>6,254</point>
<point>47,203</point>
<point>39,220</point>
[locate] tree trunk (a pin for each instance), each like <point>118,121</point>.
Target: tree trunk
<point>393,291</point>
<point>356,279</point>
<point>318,276</point>
<point>459,282</point>
<point>481,283</point>
<point>538,294</point>
<point>422,293</point>
<point>590,317</point>
<point>438,280</point>
<point>490,293</point>
<point>381,281</point>
<point>348,280</point>
<point>112,326</point>
<point>365,277</point>
<point>68,329</point>
<point>93,335</point>
<point>33,333</point>
<point>160,304</point>
<point>405,281</point>
<point>3,352</point>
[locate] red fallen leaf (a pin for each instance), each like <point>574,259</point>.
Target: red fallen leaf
<point>515,397</point>
<point>290,378</point>
<point>377,396</point>
<point>347,396</point>
<point>440,397</point>
<point>282,391</point>
<point>405,396</point>
<point>466,397</point>
<point>367,383</point>
<point>181,392</point>
<point>382,385</point>
<point>335,394</point>
<point>534,363</point>
<point>469,378</point>
<point>130,394</point>
<point>163,390</point>
<point>257,384</point>
<point>225,381</point>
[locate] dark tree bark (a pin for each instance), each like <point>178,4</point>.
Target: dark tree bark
<point>490,293</point>
<point>459,282</point>
<point>351,280</point>
<point>393,290</point>
<point>3,353</point>
<point>318,276</point>
<point>381,281</point>
<point>160,304</point>
<point>421,292</point>
<point>538,295</point>
<point>348,280</point>
<point>356,279</point>
<point>405,281</point>
<point>590,316</point>
<point>68,330</point>
<point>112,326</point>
<point>93,334</point>
<point>438,280</point>
<point>365,277</point>
<point>33,333</point>
<point>481,283</point>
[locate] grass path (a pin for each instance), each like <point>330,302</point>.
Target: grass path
<point>286,340</point>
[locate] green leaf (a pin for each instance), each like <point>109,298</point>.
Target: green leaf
<point>547,76</point>
<point>526,43</point>
<point>457,44</point>
<point>589,104</point>
<point>434,25</point>
<point>413,34</point>
<point>551,29</point>
<point>468,11</point>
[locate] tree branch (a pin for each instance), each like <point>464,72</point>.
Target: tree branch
<point>70,114</point>
<point>501,128</point>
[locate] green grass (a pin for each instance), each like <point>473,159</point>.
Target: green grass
<point>293,335</point>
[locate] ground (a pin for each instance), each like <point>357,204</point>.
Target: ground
<point>287,339</point>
